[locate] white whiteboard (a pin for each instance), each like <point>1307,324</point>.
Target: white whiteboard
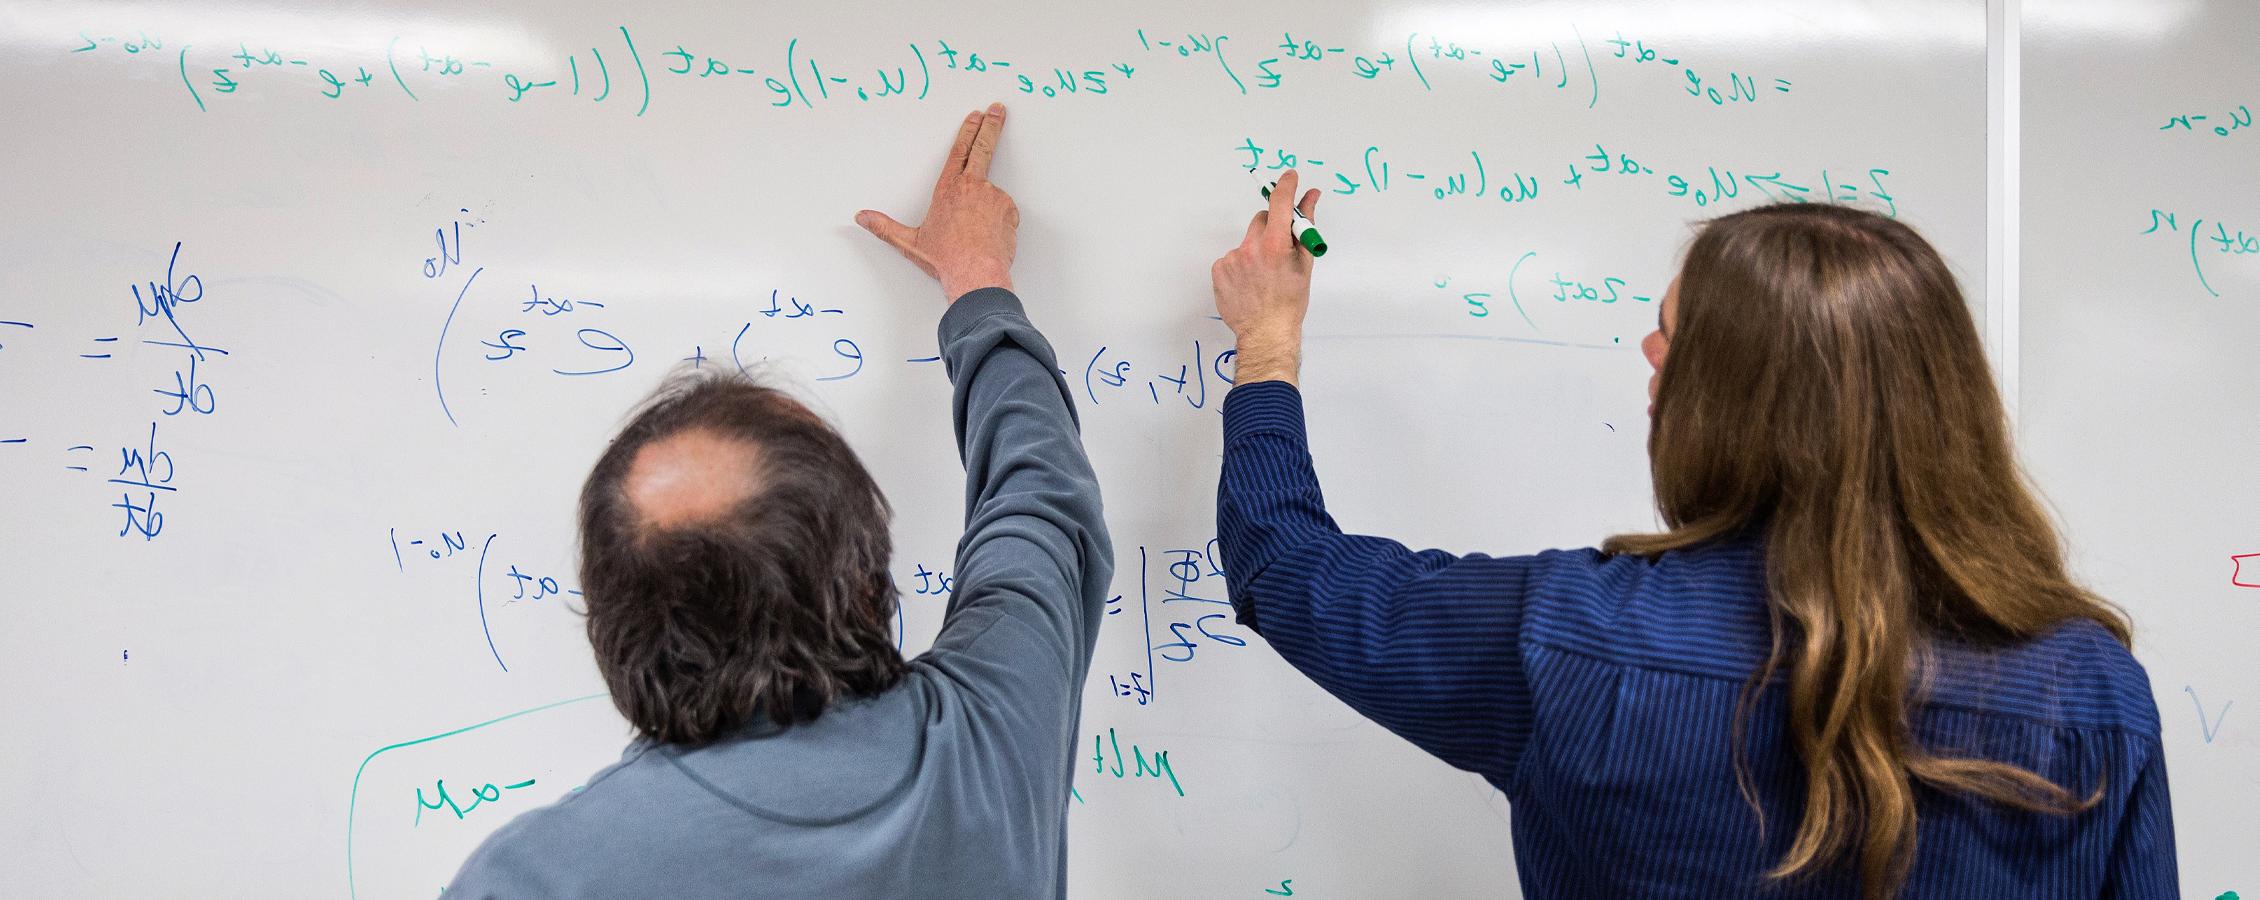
<point>2139,371</point>
<point>247,695</point>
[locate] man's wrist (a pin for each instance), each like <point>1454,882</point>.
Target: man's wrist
<point>958,291</point>
<point>1274,354</point>
<point>959,284</point>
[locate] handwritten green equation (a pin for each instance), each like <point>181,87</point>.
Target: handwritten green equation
<point>621,70</point>
<point>1472,177</point>
<point>2220,240</point>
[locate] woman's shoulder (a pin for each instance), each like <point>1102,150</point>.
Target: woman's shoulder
<point>1702,610</point>
<point>2076,674</point>
<point>1697,611</point>
<point>1732,567</point>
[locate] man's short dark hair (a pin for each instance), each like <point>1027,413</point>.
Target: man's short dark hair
<point>775,606</point>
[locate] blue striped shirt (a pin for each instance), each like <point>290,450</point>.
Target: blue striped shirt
<point>1599,694</point>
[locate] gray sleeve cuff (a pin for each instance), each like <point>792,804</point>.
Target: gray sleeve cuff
<point>975,306</point>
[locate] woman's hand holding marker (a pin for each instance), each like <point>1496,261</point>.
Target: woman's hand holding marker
<point>1306,233</point>
<point>1263,287</point>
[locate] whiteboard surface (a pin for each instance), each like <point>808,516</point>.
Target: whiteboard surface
<point>265,603</point>
<point>2141,297</point>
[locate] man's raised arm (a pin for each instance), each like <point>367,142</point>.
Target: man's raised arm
<point>1035,561</point>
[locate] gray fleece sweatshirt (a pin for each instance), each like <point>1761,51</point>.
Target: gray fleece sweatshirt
<point>955,782</point>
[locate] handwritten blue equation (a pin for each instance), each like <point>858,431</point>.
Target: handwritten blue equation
<point>570,334</point>
<point>149,474</point>
<point>413,550</point>
<point>455,553</point>
<point>574,335</point>
<point>1184,377</point>
<point>611,354</point>
<point>1192,579</point>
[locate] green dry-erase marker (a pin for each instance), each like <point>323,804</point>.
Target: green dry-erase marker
<point>1306,233</point>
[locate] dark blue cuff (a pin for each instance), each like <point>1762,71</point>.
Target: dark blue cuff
<point>1265,406</point>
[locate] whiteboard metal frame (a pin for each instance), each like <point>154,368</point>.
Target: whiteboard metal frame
<point>2004,197</point>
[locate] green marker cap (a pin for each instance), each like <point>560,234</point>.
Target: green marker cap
<point>1312,242</point>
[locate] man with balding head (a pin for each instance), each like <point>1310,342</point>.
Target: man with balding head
<point>735,564</point>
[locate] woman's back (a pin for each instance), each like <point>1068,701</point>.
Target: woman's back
<point>1627,786</point>
<point>1600,693</point>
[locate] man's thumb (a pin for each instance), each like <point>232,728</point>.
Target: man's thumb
<point>885,228</point>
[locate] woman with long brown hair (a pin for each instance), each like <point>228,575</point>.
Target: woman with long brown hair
<point>1852,665</point>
